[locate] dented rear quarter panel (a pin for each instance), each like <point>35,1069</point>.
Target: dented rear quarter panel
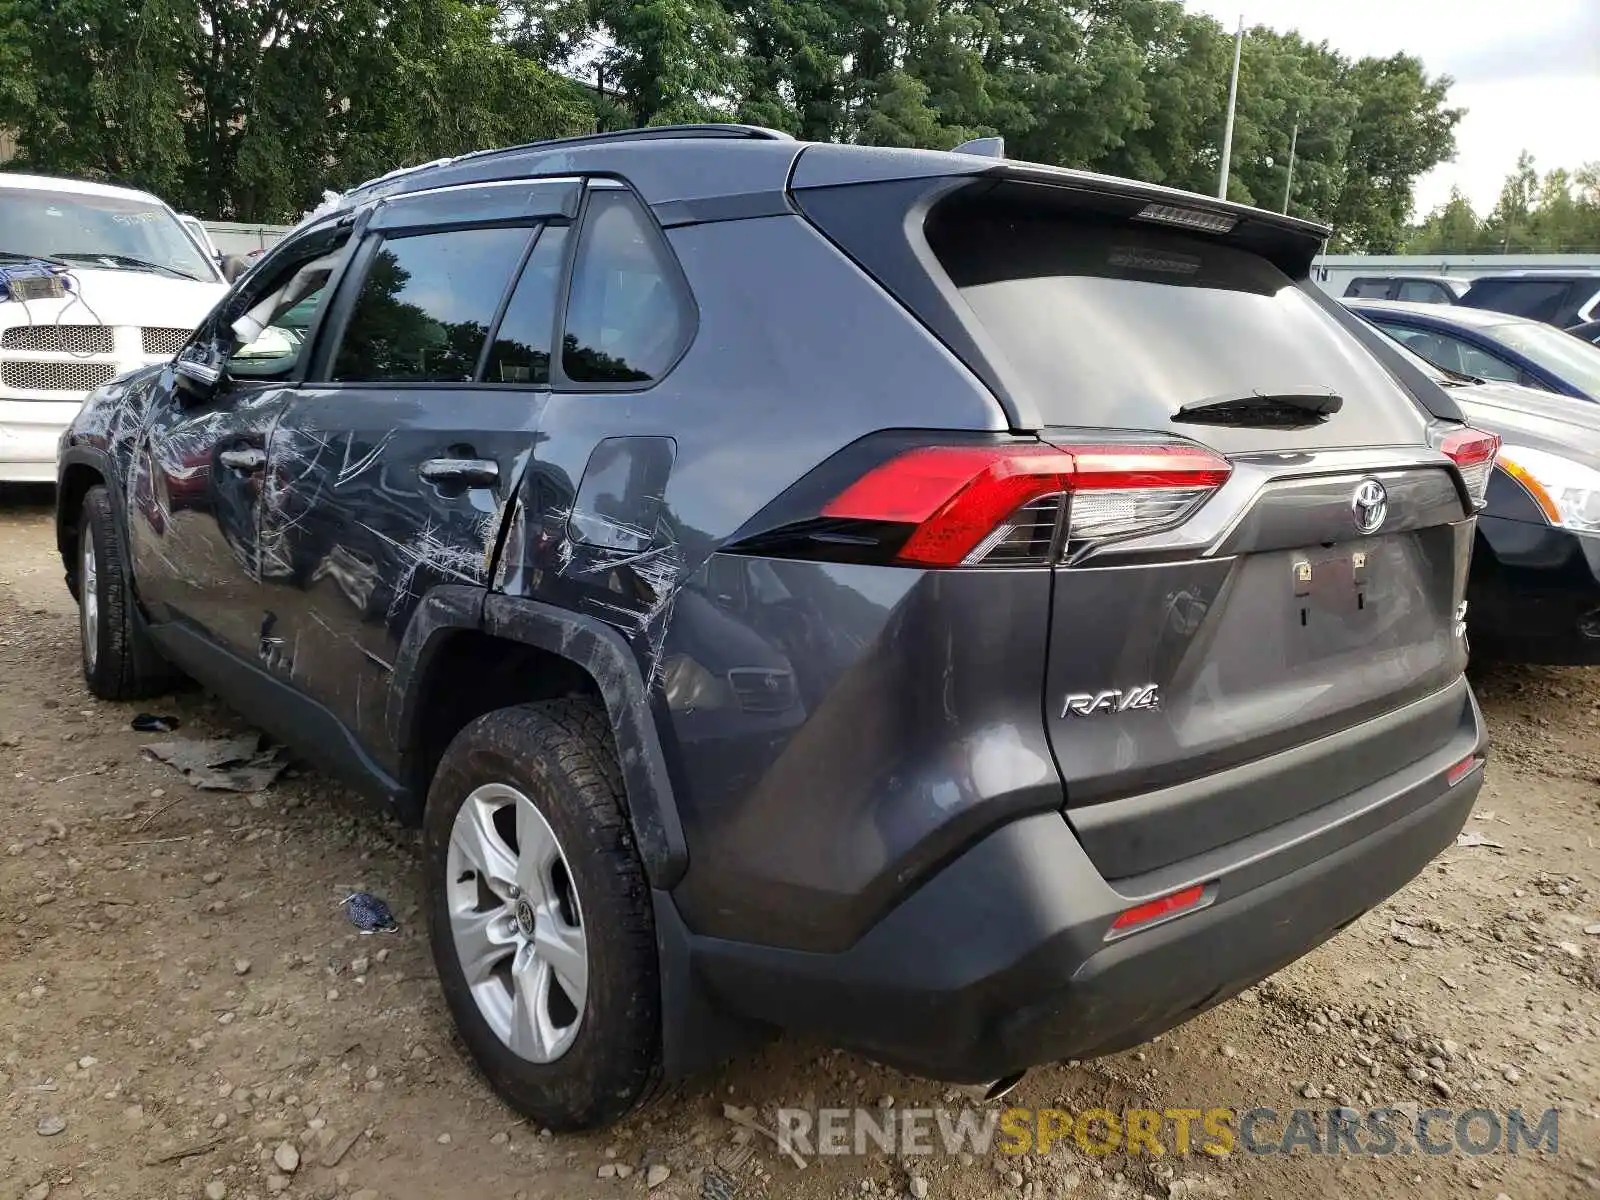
<point>893,728</point>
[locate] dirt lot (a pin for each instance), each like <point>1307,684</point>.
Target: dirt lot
<point>180,989</point>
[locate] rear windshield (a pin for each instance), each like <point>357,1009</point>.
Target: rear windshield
<point>1537,298</point>
<point>1115,325</point>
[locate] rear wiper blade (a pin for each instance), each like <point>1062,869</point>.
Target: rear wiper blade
<point>1263,410</point>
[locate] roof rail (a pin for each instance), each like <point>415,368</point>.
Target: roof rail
<point>646,133</point>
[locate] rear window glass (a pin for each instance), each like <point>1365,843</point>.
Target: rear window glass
<point>1536,298</point>
<point>1119,326</point>
<point>1422,291</point>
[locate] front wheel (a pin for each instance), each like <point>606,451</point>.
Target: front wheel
<point>119,660</point>
<point>539,915</point>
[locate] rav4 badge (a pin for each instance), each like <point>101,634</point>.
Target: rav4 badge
<point>1146,697</point>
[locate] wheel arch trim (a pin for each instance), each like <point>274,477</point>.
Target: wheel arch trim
<point>592,646</point>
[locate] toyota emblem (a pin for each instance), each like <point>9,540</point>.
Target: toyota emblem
<point>1370,505</point>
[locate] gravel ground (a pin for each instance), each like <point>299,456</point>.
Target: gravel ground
<point>184,1011</point>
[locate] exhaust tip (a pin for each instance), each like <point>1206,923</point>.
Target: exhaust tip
<point>1004,1086</point>
<point>997,1089</point>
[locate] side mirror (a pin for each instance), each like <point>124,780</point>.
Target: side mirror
<point>234,266</point>
<point>196,380</point>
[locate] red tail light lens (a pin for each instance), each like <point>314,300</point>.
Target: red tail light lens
<point>1473,452</point>
<point>1001,505</point>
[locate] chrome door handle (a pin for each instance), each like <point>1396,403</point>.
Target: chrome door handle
<point>248,460</point>
<point>474,472</point>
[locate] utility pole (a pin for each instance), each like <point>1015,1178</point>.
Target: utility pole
<point>1288,186</point>
<point>1233,99</point>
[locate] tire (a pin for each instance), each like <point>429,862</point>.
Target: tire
<point>597,1057</point>
<point>119,660</point>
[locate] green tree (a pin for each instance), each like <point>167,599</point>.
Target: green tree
<point>673,60</point>
<point>1402,128</point>
<point>250,108</point>
<point>1452,228</point>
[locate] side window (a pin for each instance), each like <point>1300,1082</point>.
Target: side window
<point>1441,351</point>
<point>282,316</point>
<point>521,350</point>
<point>1486,366</point>
<point>1367,289</point>
<point>627,319</point>
<point>1422,291</point>
<point>425,306</point>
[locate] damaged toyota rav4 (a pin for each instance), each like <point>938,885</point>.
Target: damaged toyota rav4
<point>968,612</point>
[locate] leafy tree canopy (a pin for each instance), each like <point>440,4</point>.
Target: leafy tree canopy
<point>248,109</point>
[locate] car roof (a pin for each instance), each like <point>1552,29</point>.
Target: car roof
<point>1577,273</point>
<point>1410,275</point>
<point>1441,314</point>
<point>82,187</point>
<point>697,172</point>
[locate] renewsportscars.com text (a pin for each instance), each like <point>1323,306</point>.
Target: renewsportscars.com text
<point>1180,1131</point>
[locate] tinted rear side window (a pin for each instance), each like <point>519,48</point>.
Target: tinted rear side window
<point>425,306</point>
<point>1368,289</point>
<point>1118,326</point>
<point>627,319</point>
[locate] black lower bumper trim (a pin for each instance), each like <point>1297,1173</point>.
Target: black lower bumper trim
<point>1000,962</point>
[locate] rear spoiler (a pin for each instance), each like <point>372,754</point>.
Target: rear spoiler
<point>1289,242</point>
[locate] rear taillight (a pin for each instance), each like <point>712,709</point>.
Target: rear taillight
<point>1473,452</point>
<point>1015,505</point>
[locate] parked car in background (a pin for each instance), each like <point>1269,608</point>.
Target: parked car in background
<point>1534,592</point>
<point>97,280</point>
<point>1589,331</point>
<point>201,235</point>
<point>1491,345</point>
<point>1420,289</point>
<point>967,611</point>
<point>1559,298</point>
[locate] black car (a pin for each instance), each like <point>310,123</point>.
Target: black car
<point>1560,298</point>
<point>1589,331</point>
<point>971,612</point>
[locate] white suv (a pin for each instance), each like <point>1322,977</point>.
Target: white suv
<point>94,281</point>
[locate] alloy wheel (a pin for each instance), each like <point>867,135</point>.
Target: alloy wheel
<point>516,922</point>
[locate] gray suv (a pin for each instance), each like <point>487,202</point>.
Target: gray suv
<point>973,613</point>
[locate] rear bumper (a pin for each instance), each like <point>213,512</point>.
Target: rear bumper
<point>1001,960</point>
<point>1534,594</point>
<point>30,431</point>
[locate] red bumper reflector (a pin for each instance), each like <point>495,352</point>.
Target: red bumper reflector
<point>1165,906</point>
<point>1461,770</point>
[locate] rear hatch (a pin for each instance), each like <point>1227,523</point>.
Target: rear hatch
<point>1228,650</point>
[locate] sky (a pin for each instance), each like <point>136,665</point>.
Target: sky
<point>1528,74</point>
